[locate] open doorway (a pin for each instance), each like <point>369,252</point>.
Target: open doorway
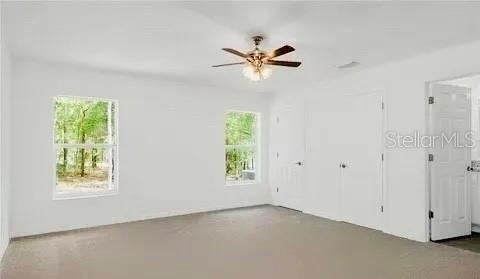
<point>454,162</point>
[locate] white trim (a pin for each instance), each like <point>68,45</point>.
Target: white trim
<point>88,98</point>
<point>242,183</point>
<point>79,195</point>
<point>240,146</point>
<point>113,187</point>
<point>85,145</point>
<point>257,147</point>
<point>428,131</point>
<point>145,217</point>
<point>385,216</point>
<point>475,228</point>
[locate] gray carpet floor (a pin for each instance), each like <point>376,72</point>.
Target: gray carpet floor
<point>470,243</point>
<point>255,242</point>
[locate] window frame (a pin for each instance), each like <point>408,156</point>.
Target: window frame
<point>114,187</point>
<point>257,148</point>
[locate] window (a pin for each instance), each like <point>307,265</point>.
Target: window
<point>85,138</point>
<point>241,147</point>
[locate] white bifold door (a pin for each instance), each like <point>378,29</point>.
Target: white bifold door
<point>450,204</point>
<point>361,159</point>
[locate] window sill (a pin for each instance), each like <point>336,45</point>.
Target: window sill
<point>74,196</point>
<point>242,184</point>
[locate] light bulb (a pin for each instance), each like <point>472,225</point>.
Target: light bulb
<point>251,73</point>
<point>266,72</point>
<point>248,71</point>
<point>255,74</point>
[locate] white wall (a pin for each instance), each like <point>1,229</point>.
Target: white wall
<point>5,133</point>
<point>404,83</point>
<point>171,148</point>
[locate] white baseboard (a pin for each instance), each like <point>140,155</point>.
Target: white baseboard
<point>170,213</point>
<point>476,228</point>
<point>3,249</point>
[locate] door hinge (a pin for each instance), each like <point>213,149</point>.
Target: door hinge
<point>383,105</point>
<point>430,157</point>
<point>381,208</point>
<point>277,189</point>
<point>431,100</point>
<point>430,214</point>
<point>382,156</point>
<point>278,155</point>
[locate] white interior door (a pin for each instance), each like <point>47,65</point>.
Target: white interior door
<point>289,152</point>
<point>475,182</point>
<point>450,181</point>
<point>323,141</point>
<point>361,170</point>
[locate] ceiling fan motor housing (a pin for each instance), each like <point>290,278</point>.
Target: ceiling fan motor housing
<point>257,40</point>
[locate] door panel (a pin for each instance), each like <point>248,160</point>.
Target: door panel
<point>450,181</point>
<point>324,133</point>
<point>289,152</point>
<point>475,182</point>
<point>362,154</point>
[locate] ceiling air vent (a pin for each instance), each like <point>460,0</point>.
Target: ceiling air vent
<point>350,64</point>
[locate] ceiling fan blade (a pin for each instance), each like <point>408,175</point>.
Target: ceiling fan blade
<point>236,52</point>
<point>283,63</point>
<point>229,64</point>
<point>281,51</point>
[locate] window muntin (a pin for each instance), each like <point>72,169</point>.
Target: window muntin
<point>241,147</point>
<point>85,147</point>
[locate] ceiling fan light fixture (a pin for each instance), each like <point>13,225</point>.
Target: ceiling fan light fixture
<point>256,74</point>
<point>266,72</point>
<point>251,73</point>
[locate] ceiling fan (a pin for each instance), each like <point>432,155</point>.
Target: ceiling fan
<point>257,60</point>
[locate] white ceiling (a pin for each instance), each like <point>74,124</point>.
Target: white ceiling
<point>180,41</point>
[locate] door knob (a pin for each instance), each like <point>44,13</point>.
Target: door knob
<point>342,165</point>
<point>299,163</point>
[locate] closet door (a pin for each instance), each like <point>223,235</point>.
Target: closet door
<point>323,135</point>
<point>361,165</point>
<point>289,149</point>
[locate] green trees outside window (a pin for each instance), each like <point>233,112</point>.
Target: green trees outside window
<point>240,147</point>
<point>85,140</point>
